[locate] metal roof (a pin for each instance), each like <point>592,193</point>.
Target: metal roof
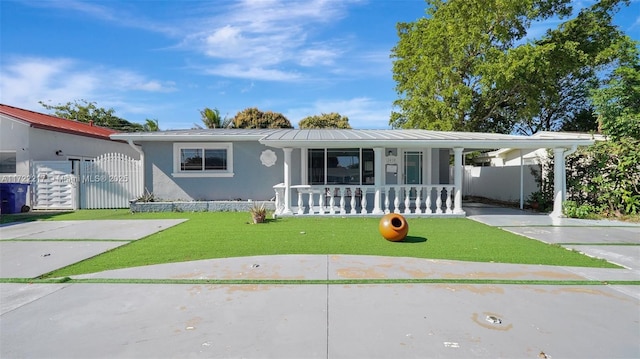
<point>197,135</point>
<point>412,139</point>
<point>340,138</point>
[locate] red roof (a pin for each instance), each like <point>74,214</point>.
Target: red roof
<point>52,123</point>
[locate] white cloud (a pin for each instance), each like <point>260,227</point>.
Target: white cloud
<point>317,56</point>
<point>124,80</point>
<point>251,72</point>
<point>27,80</point>
<point>261,37</point>
<point>363,113</point>
<point>120,15</point>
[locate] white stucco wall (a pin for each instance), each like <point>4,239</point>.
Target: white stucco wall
<point>44,145</point>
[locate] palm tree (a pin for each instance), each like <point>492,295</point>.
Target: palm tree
<point>211,118</point>
<point>151,125</point>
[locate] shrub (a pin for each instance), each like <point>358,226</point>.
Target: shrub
<point>606,177</point>
<point>573,210</point>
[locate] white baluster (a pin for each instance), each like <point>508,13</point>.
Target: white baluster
<point>300,203</point>
<point>278,200</point>
<point>418,200</point>
<point>353,201</point>
<point>321,201</point>
<point>332,201</point>
<point>342,200</point>
<point>396,200</point>
<point>363,201</point>
<point>427,209</point>
<point>310,201</point>
<point>449,191</point>
<point>386,200</point>
<point>438,200</point>
<point>407,200</point>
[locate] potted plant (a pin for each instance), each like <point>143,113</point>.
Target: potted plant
<point>534,200</point>
<point>258,212</point>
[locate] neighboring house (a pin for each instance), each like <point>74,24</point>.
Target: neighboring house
<point>325,171</point>
<point>30,138</point>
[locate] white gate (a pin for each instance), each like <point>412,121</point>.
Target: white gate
<point>110,181</point>
<point>53,186</point>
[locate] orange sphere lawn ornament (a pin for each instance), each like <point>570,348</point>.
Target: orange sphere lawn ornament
<point>393,227</point>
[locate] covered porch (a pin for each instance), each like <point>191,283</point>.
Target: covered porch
<point>373,172</point>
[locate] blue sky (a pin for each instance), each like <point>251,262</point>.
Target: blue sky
<point>167,60</point>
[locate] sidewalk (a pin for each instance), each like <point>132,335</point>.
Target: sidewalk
<point>343,320</point>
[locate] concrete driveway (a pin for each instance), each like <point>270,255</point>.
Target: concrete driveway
<point>331,308</point>
<point>31,249</point>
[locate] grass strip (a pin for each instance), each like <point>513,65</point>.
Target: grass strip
<point>312,281</point>
<point>566,226</point>
<point>67,240</point>
<point>597,244</point>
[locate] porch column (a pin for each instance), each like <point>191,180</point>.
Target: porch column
<point>558,182</point>
<point>457,180</point>
<point>377,181</point>
<point>287,181</point>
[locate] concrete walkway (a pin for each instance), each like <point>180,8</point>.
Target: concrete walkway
<point>343,320</point>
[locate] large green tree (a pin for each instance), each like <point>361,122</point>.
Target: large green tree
<point>618,103</point>
<point>562,68</point>
<point>84,111</point>
<point>325,120</point>
<point>466,66</point>
<point>254,118</point>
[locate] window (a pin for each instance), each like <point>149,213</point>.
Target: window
<point>8,162</point>
<point>203,160</point>
<point>340,166</point>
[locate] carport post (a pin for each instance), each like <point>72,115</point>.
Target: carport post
<point>558,182</point>
<point>457,180</point>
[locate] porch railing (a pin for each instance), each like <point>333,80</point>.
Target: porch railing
<point>362,200</point>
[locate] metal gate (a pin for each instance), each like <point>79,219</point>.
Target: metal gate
<point>53,186</point>
<point>110,181</point>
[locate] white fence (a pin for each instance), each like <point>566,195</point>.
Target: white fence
<point>53,186</point>
<point>499,183</point>
<point>110,181</point>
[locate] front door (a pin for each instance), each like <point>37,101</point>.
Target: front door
<point>413,167</point>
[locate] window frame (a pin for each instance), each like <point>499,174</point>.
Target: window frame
<point>325,170</point>
<point>179,146</point>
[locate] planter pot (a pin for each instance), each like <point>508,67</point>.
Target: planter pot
<point>393,227</point>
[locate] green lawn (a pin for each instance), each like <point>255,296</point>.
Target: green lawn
<point>229,234</point>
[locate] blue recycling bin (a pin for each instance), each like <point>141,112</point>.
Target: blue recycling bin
<point>13,197</point>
